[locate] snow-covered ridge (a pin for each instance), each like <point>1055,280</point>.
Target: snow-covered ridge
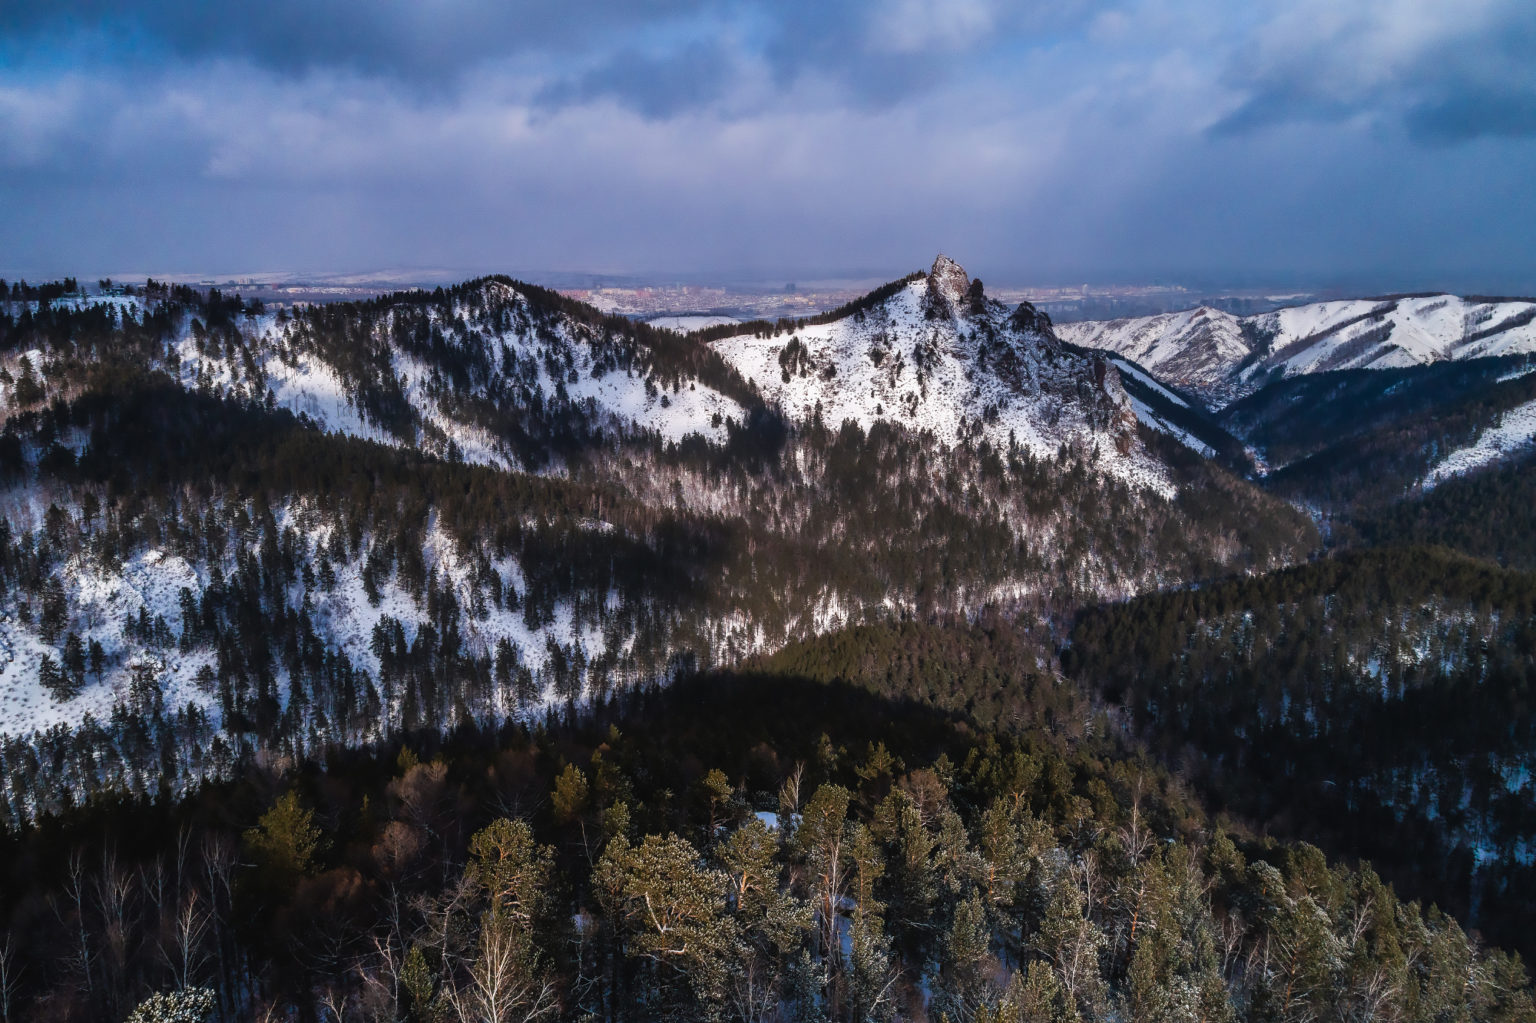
<point>938,357</point>
<point>1222,357</point>
<point>534,360</point>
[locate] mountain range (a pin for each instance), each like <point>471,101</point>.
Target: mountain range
<point>1221,357</point>
<point>602,501</point>
<point>1234,556</point>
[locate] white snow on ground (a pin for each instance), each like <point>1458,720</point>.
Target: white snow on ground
<point>25,705</point>
<point>308,386</point>
<point>674,414</point>
<point>117,302</point>
<point>1126,367</point>
<point>623,396</point>
<point>686,324</point>
<point>1204,348</point>
<point>304,383</point>
<point>1516,432</point>
<point>103,604</point>
<point>315,390</point>
<point>1416,331</point>
<point>1145,413</point>
<point>895,364</point>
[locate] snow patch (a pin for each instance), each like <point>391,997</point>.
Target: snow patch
<point>1514,434</point>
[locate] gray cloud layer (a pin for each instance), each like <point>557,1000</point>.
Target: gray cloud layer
<point>1393,138</point>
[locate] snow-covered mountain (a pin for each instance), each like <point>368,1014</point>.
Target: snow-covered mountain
<point>1222,357</point>
<point>934,354</point>
<point>288,529</point>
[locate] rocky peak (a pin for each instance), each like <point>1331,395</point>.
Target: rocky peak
<point>949,281</point>
<point>1029,320</point>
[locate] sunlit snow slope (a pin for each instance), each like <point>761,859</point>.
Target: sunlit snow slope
<point>1222,357</point>
<point>938,356</point>
<point>453,372</point>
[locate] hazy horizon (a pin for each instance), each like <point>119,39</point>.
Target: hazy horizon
<point>387,278</point>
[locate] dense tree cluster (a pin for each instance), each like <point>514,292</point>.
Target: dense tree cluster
<point>1489,514</point>
<point>681,864</point>
<point>1381,700</point>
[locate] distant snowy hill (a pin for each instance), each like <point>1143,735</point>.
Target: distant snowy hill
<point>932,354</point>
<point>688,322</point>
<point>466,373</point>
<point>1222,357</point>
<point>448,374</point>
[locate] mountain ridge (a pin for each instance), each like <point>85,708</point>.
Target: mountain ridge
<point>1223,357</point>
<point>935,354</point>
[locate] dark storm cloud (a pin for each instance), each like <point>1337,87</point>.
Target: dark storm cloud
<point>407,39</point>
<point>1474,112</point>
<point>1056,141</point>
<point>1446,72</point>
<point>879,51</point>
<point>655,86</point>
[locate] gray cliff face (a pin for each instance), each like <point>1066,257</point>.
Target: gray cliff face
<point>949,284</point>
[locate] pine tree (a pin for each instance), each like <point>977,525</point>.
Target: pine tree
<point>285,840</point>
<point>822,841</point>
<point>56,680</point>
<point>966,952</point>
<point>674,909</point>
<point>74,660</point>
<point>55,610</point>
<point>28,390</point>
<point>770,922</point>
<point>1072,943</point>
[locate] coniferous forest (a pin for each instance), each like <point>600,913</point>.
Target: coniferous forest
<point>474,655</point>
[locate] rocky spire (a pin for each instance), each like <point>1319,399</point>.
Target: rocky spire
<point>948,280</point>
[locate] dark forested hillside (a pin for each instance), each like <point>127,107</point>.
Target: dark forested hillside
<point>1382,701</point>
<point>1357,441</point>
<point>1490,514</point>
<point>736,847</point>
<point>997,674</point>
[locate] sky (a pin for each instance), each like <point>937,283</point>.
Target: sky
<point>1390,143</point>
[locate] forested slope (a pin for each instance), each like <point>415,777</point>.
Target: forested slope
<point>738,847</point>
<point>663,636</point>
<point>1383,702</point>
